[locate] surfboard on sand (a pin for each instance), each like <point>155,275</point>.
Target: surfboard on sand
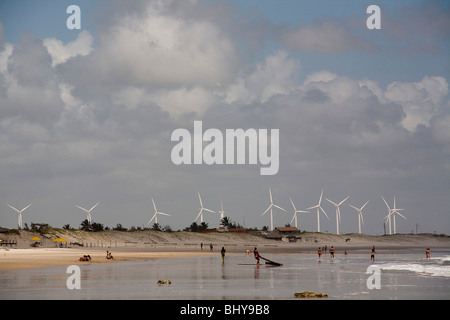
<point>272,263</point>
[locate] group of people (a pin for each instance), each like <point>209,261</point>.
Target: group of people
<point>372,253</point>
<point>211,247</point>
<point>319,251</point>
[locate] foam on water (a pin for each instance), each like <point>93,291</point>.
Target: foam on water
<point>436,267</point>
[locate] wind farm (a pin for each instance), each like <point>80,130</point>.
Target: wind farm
<point>390,221</point>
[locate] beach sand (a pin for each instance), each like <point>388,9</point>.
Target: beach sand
<point>128,246</point>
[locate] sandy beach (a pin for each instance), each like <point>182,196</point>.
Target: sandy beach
<point>128,246</point>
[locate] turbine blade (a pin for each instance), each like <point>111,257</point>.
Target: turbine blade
<point>13,208</point>
<point>386,203</point>
<point>343,201</point>
<point>364,205</point>
<point>209,210</point>
<point>324,212</point>
<point>353,207</point>
<point>270,192</point>
<point>320,199</point>
<point>401,215</point>
<point>293,205</point>
<point>278,207</point>
<point>154,206</point>
<point>201,210</point>
<point>94,206</point>
<point>200,198</point>
<point>314,207</point>
<point>267,210</point>
<point>331,201</point>
<point>151,219</point>
<point>163,213</point>
<point>82,208</point>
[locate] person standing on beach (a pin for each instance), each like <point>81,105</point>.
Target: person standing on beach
<point>319,252</point>
<point>427,253</point>
<point>222,252</point>
<point>332,252</point>
<point>372,255</point>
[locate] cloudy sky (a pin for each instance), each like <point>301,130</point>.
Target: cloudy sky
<point>87,115</point>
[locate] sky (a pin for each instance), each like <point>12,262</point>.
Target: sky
<point>87,115</point>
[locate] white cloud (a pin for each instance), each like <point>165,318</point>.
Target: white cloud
<point>165,51</point>
<point>420,100</point>
<point>276,75</point>
<point>61,52</point>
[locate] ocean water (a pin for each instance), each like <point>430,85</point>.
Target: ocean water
<point>402,275</point>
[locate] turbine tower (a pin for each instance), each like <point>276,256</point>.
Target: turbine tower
<point>19,219</point>
<point>221,212</point>
<point>294,218</point>
<point>318,207</point>
<point>88,212</point>
<point>360,216</point>
<point>338,212</point>
<point>200,214</point>
<point>155,215</point>
<point>270,208</point>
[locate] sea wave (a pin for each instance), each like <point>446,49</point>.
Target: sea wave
<point>437,267</point>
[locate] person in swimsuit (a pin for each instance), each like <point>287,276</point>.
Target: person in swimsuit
<point>332,252</point>
<point>427,253</point>
<point>319,252</point>
<point>256,255</point>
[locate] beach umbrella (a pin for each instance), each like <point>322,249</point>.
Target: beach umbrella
<point>35,238</point>
<point>60,240</point>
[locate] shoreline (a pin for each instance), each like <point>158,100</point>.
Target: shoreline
<point>23,259</point>
<point>128,246</point>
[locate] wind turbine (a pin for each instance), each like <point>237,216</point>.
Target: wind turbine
<point>395,211</point>
<point>19,220</point>
<point>270,208</point>
<point>294,218</point>
<point>360,216</point>
<point>338,212</point>
<point>88,212</point>
<point>318,207</point>
<point>155,215</point>
<point>388,217</point>
<point>200,214</point>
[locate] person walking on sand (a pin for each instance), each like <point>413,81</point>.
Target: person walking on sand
<point>222,252</point>
<point>331,252</point>
<point>372,254</point>
<point>319,252</point>
<point>427,253</point>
